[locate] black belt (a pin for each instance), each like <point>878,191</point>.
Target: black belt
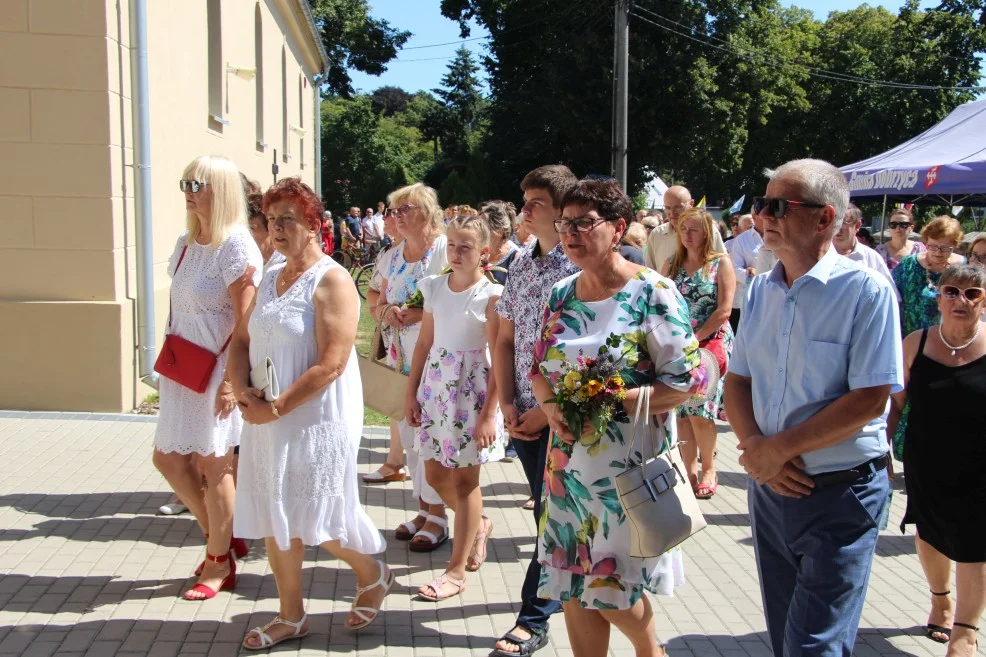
<point>852,474</point>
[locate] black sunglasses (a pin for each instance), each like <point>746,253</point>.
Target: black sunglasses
<point>192,186</point>
<point>973,294</point>
<point>777,207</point>
<point>899,224</point>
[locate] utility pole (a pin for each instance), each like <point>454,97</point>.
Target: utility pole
<point>621,89</point>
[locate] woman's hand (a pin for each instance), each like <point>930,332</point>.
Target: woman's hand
<point>391,317</point>
<point>556,421</point>
<point>485,432</point>
<point>256,409</point>
<point>225,400</point>
<point>409,316</point>
<point>412,410</point>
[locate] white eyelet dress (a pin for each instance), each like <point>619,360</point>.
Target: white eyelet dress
<point>297,475</point>
<point>202,312</point>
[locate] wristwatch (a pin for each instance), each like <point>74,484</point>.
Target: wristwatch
<point>273,409</point>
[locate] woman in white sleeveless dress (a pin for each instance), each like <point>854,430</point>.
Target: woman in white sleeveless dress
<point>215,268</point>
<point>297,479</point>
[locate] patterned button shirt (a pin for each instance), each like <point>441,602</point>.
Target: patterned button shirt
<point>529,283</point>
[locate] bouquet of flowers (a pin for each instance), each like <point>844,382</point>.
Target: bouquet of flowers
<point>591,390</point>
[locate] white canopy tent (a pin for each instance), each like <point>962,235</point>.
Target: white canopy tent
<point>655,189</point>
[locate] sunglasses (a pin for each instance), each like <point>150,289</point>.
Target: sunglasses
<point>778,207</point>
<point>899,224</point>
<point>973,294</point>
<point>580,224</point>
<point>192,186</point>
<point>402,210</point>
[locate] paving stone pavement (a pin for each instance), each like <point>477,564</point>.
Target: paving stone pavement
<point>87,568</point>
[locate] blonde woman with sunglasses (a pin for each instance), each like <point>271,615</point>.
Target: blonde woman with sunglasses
<point>945,373</point>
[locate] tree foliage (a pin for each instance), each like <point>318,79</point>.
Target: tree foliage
<point>354,40</point>
<point>719,89</point>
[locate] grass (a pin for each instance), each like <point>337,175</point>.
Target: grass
<point>364,334</point>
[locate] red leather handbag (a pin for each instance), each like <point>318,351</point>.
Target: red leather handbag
<point>185,362</point>
<point>716,344</point>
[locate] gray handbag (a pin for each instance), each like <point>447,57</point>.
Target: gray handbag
<point>656,496</point>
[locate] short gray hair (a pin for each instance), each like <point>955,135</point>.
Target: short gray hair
<point>969,275</point>
<point>820,182</point>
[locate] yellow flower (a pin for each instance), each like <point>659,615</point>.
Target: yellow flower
<point>593,388</point>
<point>571,380</point>
<point>617,380</point>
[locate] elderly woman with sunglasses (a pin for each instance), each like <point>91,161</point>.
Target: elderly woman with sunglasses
<point>917,275</point>
<point>945,372</point>
<point>215,268</point>
<point>423,253</point>
<point>900,245</point>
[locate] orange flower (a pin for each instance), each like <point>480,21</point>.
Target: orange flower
<point>593,388</point>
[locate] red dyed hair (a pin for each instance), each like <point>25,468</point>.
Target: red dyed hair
<point>297,192</point>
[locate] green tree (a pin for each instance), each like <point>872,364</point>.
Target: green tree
<point>354,40</point>
<point>455,118</point>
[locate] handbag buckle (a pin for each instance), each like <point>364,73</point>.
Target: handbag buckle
<point>659,484</point>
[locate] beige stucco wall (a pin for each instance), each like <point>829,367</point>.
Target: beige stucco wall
<point>67,257</point>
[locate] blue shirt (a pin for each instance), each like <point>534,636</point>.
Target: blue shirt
<point>835,330</point>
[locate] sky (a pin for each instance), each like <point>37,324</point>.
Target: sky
<point>422,68</point>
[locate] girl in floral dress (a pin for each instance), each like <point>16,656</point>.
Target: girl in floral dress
<point>706,280</point>
<point>452,394</point>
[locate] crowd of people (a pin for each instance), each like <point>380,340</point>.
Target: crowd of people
<point>829,354</point>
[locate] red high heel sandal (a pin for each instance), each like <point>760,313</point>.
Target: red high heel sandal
<point>237,545</point>
<point>227,584</point>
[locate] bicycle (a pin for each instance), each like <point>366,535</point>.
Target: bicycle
<point>360,261</point>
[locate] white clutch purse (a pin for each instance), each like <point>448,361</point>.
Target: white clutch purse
<point>264,377</point>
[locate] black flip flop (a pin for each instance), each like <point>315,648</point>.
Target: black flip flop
<point>527,647</point>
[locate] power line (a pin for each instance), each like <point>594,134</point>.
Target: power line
<point>753,54</point>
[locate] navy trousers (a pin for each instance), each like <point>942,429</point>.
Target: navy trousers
<point>813,557</point>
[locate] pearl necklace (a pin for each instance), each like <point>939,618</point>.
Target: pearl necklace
<point>961,347</point>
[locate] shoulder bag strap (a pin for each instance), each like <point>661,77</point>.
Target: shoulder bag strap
<point>170,291</point>
<point>641,417</point>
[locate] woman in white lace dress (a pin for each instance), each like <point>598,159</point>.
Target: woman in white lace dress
<point>297,481</point>
<point>215,268</point>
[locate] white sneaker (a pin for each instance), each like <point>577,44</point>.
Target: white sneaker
<point>172,509</point>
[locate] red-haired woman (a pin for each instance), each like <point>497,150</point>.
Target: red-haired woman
<point>297,480</point>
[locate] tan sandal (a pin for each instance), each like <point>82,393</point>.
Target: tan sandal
<point>386,580</point>
<point>267,642</point>
<point>397,473</point>
<point>478,554</point>
<point>436,586</point>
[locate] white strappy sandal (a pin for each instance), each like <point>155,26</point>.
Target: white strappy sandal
<point>267,642</point>
<point>434,542</point>
<point>386,580</point>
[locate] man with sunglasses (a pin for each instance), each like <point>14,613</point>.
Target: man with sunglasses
<point>807,392</point>
<point>663,240</point>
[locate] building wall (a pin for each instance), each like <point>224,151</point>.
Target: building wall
<point>67,256</point>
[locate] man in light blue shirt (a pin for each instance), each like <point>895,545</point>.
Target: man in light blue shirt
<point>816,358</point>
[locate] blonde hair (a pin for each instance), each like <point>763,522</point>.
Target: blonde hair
<point>635,235</point>
<point>228,200</point>
<point>942,228</point>
<point>474,223</point>
<point>706,221</point>
<point>426,199</point>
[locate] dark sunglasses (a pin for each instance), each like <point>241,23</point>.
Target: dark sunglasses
<point>899,224</point>
<point>192,186</point>
<point>973,294</point>
<point>777,207</point>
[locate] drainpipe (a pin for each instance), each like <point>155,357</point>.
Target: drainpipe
<point>146,338</point>
<point>318,134</point>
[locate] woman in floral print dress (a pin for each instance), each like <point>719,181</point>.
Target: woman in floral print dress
<point>584,535</point>
<point>451,394</point>
<point>707,281</point>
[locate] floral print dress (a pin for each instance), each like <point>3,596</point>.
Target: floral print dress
<point>584,535</point>
<point>701,291</point>
<point>453,386</point>
<point>918,295</point>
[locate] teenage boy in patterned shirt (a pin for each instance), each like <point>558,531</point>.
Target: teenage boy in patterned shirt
<point>532,274</point>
